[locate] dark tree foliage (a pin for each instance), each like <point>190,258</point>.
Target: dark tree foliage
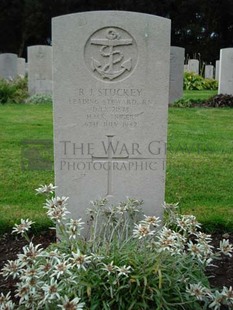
<point>203,27</point>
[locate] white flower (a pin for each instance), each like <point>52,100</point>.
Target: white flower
<point>171,241</point>
<point>46,189</point>
<point>9,305</point>
<point>197,290</point>
<point>51,290</point>
<point>188,223</point>
<point>57,210</point>
<point>218,299</point>
<point>152,220</point>
<point>30,253</point>
<point>4,298</point>
<point>46,267</point>
<point>74,227</point>
<point>80,261</point>
<point>23,291</point>
<point>24,226</point>
<point>11,268</point>
<point>203,238</point>
<point>123,271</point>
<point>73,304</point>
<point>228,292</point>
<point>171,207</point>
<point>142,230</point>
<point>55,202</point>
<point>195,249</point>
<point>225,247</point>
<point>110,268</point>
<point>61,268</point>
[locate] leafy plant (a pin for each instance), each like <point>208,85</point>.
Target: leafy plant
<point>210,84</point>
<point>14,91</point>
<point>40,98</point>
<point>126,262</point>
<point>187,103</point>
<point>193,81</point>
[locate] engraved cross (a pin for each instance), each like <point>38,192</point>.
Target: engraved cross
<point>109,159</point>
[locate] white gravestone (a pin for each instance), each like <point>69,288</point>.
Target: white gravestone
<point>209,72</point>
<point>226,71</point>
<point>21,68</point>
<point>8,66</point>
<point>193,66</point>
<point>176,73</point>
<point>216,70</point>
<point>111,83</point>
<point>40,69</point>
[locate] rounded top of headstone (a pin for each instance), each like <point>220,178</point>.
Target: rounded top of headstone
<point>109,12</point>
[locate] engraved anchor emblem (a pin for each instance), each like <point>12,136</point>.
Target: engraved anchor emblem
<point>114,56</point>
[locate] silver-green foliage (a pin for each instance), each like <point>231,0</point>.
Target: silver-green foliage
<point>125,261</point>
<point>40,98</point>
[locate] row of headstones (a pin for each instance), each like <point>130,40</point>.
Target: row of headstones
<point>223,70</point>
<point>210,71</point>
<point>39,69</point>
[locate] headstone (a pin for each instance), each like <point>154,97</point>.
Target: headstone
<point>40,69</point>
<point>176,73</point>
<point>186,68</point>
<point>8,66</point>
<point>21,68</point>
<point>217,70</point>
<point>26,68</point>
<point>111,83</point>
<point>226,71</point>
<point>209,72</point>
<point>193,66</point>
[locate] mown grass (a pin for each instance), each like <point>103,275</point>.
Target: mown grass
<point>17,194</point>
<point>199,94</point>
<point>199,164</point>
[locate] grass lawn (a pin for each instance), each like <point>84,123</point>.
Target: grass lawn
<point>199,164</point>
<point>199,94</point>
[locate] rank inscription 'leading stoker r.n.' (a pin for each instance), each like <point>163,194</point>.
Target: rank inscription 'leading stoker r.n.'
<point>111,54</point>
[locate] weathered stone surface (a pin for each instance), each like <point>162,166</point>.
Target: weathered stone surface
<point>193,66</point>
<point>176,73</point>
<point>111,84</point>
<point>226,71</point>
<point>209,72</point>
<point>21,68</point>
<point>40,69</point>
<point>8,66</point>
<point>216,76</point>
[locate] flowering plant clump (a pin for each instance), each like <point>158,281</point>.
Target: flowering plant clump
<point>123,260</point>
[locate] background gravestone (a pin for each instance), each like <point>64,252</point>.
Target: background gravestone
<point>40,69</point>
<point>226,71</point>
<point>176,73</point>
<point>21,69</point>
<point>186,68</point>
<point>111,83</point>
<point>209,72</point>
<point>8,66</point>
<point>216,76</point>
<point>193,66</point>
